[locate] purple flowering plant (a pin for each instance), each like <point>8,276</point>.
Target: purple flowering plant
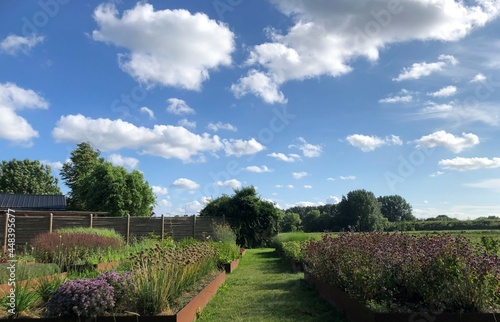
<point>402,272</point>
<point>91,297</point>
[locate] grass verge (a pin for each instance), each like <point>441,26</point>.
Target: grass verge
<point>263,288</point>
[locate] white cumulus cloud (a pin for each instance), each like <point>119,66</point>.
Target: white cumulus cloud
<point>55,166</point>
<point>158,190</point>
<point>444,92</point>
<point>418,70</point>
<point>326,36</point>
<point>232,183</point>
<point>239,148</point>
<point>283,157</point>
<point>165,47</point>
<point>333,200</point>
<point>120,160</point>
<point>288,186</point>
<point>467,164</point>
<point>396,99</point>
<point>14,44</point>
<point>449,141</point>
<point>185,184</point>
<point>369,143</point>
<point>187,124</point>
<point>478,78</point>
<point>260,85</point>
<point>258,169</point>
<point>178,107</point>
<point>308,150</point>
<point>166,141</point>
<point>14,99</point>
<point>148,111</point>
<point>221,126</point>
<point>299,175</point>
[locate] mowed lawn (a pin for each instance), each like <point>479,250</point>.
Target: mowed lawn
<point>263,288</point>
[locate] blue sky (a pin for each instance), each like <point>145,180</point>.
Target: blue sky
<point>304,99</point>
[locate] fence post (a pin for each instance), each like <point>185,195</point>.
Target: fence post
<point>91,220</point>
<point>51,222</point>
<point>6,231</point>
<point>128,228</point>
<point>162,226</point>
<point>194,226</point>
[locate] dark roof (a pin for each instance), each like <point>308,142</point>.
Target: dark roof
<point>32,202</point>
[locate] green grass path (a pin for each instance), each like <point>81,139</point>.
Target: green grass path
<point>263,288</point>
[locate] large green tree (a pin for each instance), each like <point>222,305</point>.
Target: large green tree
<point>255,221</point>
<point>396,208</point>
<point>97,185</point>
<point>291,222</point>
<point>27,177</point>
<point>82,161</point>
<point>111,188</point>
<point>360,211</point>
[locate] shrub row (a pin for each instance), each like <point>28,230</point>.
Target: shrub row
<point>402,272</point>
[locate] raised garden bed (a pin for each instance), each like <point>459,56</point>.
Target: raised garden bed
<point>6,287</point>
<point>357,312</point>
<point>231,266</point>
<point>187,314</point>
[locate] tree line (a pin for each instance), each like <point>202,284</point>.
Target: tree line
<point>95,184</point>
<point>359,210</point>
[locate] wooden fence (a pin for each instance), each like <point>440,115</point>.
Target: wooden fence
<point>27,227</point>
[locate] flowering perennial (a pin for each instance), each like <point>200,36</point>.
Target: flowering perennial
<point>402,272</point>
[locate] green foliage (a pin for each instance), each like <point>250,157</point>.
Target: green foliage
<point>492,245</point>
<point>315,221</point>
<point>110,188</point>
<point>292,250</point>
<point>288,245</point>
<point>395,208</point>
<point>104,232</point>
<point>28,271</point>
<point>254,220</point>
<point>226,251</point>
<point>296,236</point>
<point>27,177</point>
<point>82,161</point>
<point>46,286</point>
<point>360,211</point>
<point>97,185</point>
<point>291,222</point>
<point>25,300</point>
<point>431,225</point>
<point>160,275</point>
<point>223,233</point>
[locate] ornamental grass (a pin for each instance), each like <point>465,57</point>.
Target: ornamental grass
<point>160,275</point>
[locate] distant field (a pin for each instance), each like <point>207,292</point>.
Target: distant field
<point>297,236</point>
